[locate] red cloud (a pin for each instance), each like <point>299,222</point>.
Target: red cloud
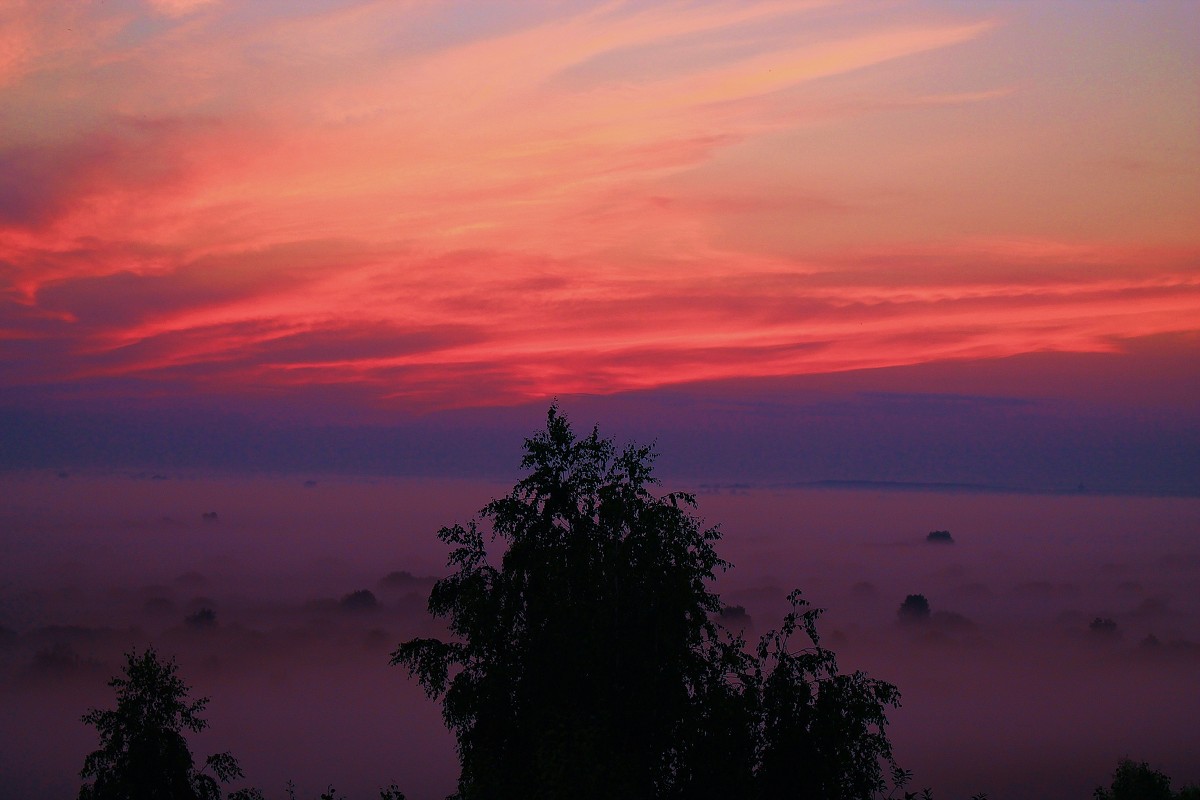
<point>379,197</point>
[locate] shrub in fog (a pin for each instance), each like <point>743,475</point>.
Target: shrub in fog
<point>915,608</point>
<point>362,600</point>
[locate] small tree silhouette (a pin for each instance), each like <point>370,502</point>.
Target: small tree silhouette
<point>1136,781</point>
<point>203,620</point>
<point>143,754</point>
<point>361,600</point>
<point>915,608</point>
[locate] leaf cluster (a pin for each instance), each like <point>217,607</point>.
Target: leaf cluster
<point>1134,780</point>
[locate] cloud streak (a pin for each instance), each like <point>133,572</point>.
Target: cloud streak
<point>419,199</point>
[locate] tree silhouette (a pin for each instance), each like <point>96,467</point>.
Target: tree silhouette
<point>821,734</point>
<point>1136,781</point>
<point>361,600</point>
<point>915,608</point>
<point>143,754</point>
<point>586,660</point>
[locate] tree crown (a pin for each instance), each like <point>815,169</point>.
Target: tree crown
<point>143,750</point>
<point>586,656</point>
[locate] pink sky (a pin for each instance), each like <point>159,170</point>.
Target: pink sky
<point>447,204</point>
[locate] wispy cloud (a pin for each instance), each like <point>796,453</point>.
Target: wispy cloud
<point>423,198</point>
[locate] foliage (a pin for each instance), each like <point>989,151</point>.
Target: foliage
<point>821,734</point>
<point>1133,780</point>
<point>143,752</point>
<point>392,792</point>
<point>586,660</point>
<point>915,608</point>
<point>361,600</point>
<point>204,619</point>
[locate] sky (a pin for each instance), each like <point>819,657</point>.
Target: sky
<point>902,241</point>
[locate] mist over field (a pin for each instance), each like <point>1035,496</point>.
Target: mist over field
<point>1007,688</point>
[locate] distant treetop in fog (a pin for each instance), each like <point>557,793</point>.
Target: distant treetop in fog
<point>361,600</point>
<point>915,608</point>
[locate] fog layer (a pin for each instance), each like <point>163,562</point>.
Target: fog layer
<point>1062,632</point>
